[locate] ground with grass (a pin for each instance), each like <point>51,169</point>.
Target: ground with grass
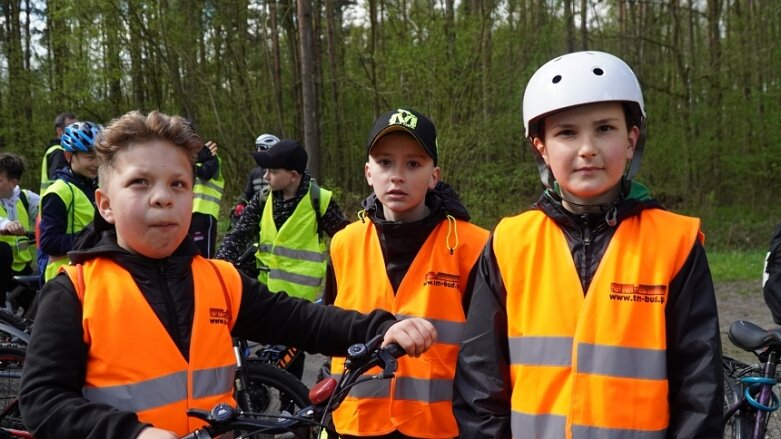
<point>740,300</point>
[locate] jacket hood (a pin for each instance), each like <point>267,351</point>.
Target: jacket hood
<point>442,200</point>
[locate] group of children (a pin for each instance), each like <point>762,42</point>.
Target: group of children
<point>590,315</point>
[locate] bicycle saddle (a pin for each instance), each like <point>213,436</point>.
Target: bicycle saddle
<point>750,337</point>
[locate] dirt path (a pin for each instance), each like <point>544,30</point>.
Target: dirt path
<point>741,301</point>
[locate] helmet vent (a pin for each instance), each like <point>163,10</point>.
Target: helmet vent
<point>556,79</point>
<point>597,71</point>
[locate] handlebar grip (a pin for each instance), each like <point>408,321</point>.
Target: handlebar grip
<point>395,350</point>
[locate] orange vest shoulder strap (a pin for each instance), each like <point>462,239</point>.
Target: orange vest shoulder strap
<point>76,274</point>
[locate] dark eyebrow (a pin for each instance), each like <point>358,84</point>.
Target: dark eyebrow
<point>607,120</point>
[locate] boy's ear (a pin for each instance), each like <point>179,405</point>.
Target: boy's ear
<point>538,143</point>
<point>103,203</point>
<point>634,135</point>
<point>368,173</point>
<point>435,175</point>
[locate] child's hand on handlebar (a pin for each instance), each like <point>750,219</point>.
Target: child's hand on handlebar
<point>13,228</point>
<point>415,335</point>
<point>155,433</point>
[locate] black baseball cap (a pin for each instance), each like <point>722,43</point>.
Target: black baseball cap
<point>409,121</point>
<point>285,154</point>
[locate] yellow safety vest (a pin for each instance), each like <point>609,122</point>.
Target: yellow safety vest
<point>418,401</point>
<point>21,247</point>
<point>208,193</point>
<point>81,212</point>
<point>590,364</point>
<point>134,365</point>
<point>45,182</point>
<point>293,258</point>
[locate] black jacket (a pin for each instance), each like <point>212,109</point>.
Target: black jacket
<point>482,383</point>
<point>771,278</point>
<point>55,366</point>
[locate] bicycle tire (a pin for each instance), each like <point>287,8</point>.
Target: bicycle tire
<point>733,425</point>
<point>274,391</point>
<point>11,362</point>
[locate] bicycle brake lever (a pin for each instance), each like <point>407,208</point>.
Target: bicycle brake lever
<point>388,363</point>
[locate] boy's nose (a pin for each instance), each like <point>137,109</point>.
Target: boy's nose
<point>587,147</point>
<point>160,197</point>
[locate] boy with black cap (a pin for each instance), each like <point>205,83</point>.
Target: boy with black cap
<point>291,255</point>
<point>414,258</point>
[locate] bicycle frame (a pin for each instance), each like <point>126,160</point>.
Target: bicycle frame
<point>757,391</point>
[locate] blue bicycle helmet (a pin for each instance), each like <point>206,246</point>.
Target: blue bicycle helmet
<point>80,136</point>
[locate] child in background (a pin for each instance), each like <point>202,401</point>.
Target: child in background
<point>139,328</point>
<point>68,205</point>
<point>290,225</point>
<point>209,187</point>
<point>411,254</point>
<point>593,314</point>
<point>18,209</point>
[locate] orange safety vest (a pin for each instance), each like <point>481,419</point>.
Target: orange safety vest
<point>134,365</point>
<point>590,364</point>
<point>418,402</point>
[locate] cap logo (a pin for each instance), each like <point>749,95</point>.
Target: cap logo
<point>404,117</point>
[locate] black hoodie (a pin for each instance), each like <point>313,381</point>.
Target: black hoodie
<point>55,367</point>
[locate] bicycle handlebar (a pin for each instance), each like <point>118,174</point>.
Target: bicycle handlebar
<point>360,358</point>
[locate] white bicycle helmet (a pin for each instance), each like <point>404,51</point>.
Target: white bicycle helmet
<point>576,79</point>
<point>265,141</point>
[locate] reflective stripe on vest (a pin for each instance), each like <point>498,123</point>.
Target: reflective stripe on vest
<point>571,368</point>
<point>45,182</point>
<point>418,401</point>
<point>134,365</point>
<point>21,249</point>
<point>80,210</point>
<point>208,193</point>
<point>293,258</point>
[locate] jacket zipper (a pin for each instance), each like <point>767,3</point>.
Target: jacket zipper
<point>586,237</point>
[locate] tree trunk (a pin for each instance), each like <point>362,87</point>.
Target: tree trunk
<point>309,101</point>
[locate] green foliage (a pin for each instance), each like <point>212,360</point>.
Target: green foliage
<point>737,265</point>
<point>736,227</point>
<point>711,79</point>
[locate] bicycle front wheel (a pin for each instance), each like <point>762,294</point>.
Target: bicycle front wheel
<point>11,362</point>
<point>273,391</point>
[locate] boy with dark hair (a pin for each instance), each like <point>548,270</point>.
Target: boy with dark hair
<point>18,209</point>
<point>592,314</point>
<point>54,157</point>
<point>411,254</point>
<point>126,339</point>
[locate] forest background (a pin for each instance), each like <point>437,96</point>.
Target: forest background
<point>320,71</point>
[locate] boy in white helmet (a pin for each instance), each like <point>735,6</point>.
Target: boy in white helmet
<point>593,314</point>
